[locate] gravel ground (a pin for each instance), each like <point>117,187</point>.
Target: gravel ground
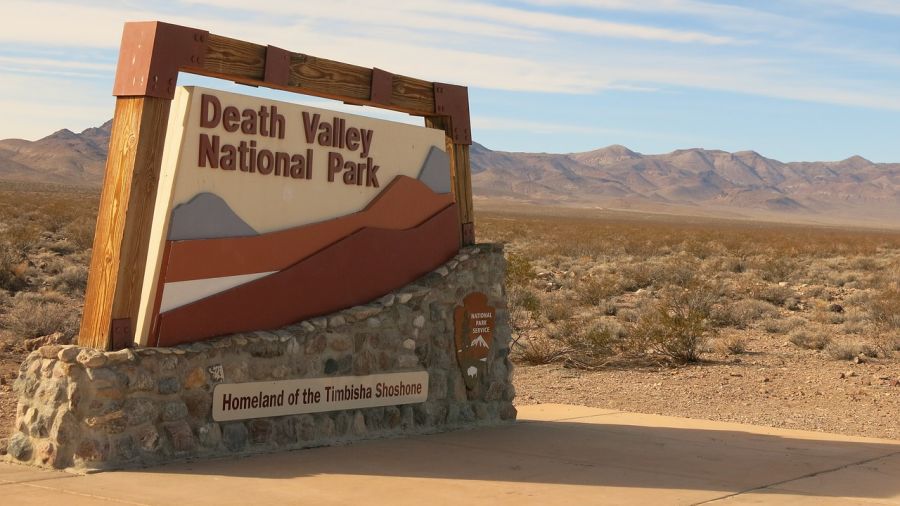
<point>773,384</point>
<point>10,357</point>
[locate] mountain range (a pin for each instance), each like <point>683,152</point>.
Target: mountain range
<point>695,181</point>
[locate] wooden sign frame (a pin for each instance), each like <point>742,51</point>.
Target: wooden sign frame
<point>150,57</point>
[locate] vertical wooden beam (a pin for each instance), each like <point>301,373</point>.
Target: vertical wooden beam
<point>460,177</point>
<point>123,223</point>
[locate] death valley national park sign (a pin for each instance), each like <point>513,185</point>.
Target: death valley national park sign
<point>269,213</point>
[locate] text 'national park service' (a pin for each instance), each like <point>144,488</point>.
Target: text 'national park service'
<point>267,122</point>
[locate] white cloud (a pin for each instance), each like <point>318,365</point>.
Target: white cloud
<point>887,7</point>
<point>480,45</point>
<point>33,107</point>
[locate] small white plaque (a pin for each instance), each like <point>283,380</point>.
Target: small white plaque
<point>239,401</point>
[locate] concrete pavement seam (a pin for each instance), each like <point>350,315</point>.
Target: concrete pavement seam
<point>789,480</point>
<point>8,482</point>
<point>81,494</point>
<point>570,418</point>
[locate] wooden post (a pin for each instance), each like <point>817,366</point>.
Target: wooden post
<point>150,58</point>
<point>123,222</point>
<point>460,177</point>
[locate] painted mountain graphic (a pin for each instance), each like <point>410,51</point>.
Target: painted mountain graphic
<point>479,342</point>
<point>206,216</point>
<point>404,203</point>
<point>248,281</point>
<point>355,270</point>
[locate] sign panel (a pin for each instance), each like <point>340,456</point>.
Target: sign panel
<point>239,401</point>
<point>268,213</point>
<point>473,335</point>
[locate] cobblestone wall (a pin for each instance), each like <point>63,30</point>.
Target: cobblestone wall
<point>88,409</point>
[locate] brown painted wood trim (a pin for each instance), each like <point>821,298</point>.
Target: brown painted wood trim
<point>404,203</point>
<point>277,69</point>
<point>353,271</point>
<point>123,222</point>
<point>151,55</point>
<point>382,87</point>
<point>452,101</point>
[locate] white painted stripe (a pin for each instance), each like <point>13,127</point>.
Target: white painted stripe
<point>179,293</point>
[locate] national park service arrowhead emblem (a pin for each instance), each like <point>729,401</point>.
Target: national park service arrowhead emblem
<point>473,335</point>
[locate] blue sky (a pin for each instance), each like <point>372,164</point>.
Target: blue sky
<point>792,79</point>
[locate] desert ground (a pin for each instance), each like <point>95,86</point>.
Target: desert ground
<point>770,324</point>
<point>780,325</point>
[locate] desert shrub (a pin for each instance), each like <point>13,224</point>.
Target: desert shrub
<point>810,340</point>
<point>776,326</point>
<point>740,313</point>
<point>524,298</point>
<point>828,317</point>
<point>13,270</point>
<point>62,247</point>
<point>779,326</point>
<point>72,279</point>
<point>680,273</point>
<point>628,315</point>
<point>842,278</point>
<point>591,344</point>
<point>848,350</point>
<point>888,342</point>
<point>774,294</point>
<point>885,308</point>
<point>22,236</point>
<point>853,327</point>
<point>81,232</point>
<point>557,309</point>
<point>608,308</point>
<point>776,269</point>
<point>856,315</point>
<point>676,326</point>
<point>793,304</point>
<point>34,315</point>
<point>735,265</point>
<point>562,331</point>
<point>594,291</point>
<point>519,270</point>
<point>733,344</point>
<point>634,277</point>
<point>864,263</point>
<point>537,351</point>
<point>56,214</point>
<point>816,291</point>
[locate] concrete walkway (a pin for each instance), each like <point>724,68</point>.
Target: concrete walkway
<point>566,455</point>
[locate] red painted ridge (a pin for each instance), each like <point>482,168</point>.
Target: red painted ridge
<point>404,203</point>
<point>355,270</point>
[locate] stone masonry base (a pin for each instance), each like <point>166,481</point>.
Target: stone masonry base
<point>86,409</point>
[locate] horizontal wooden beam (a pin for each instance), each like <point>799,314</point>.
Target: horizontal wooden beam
<point>153,53</point>
<point>245,63</point>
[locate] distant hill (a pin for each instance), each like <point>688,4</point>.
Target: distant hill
<point>687,181</point>
<point>695,181</point>
<point>63,157</point>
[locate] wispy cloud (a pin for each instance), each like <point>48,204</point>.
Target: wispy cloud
<point>464,17</point>
<point>34,106</point>
<point>887,7</point>
<point>548,47</point>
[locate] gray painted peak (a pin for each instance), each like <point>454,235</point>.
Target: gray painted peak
<point>435,171</point>
<point>206,216</point>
